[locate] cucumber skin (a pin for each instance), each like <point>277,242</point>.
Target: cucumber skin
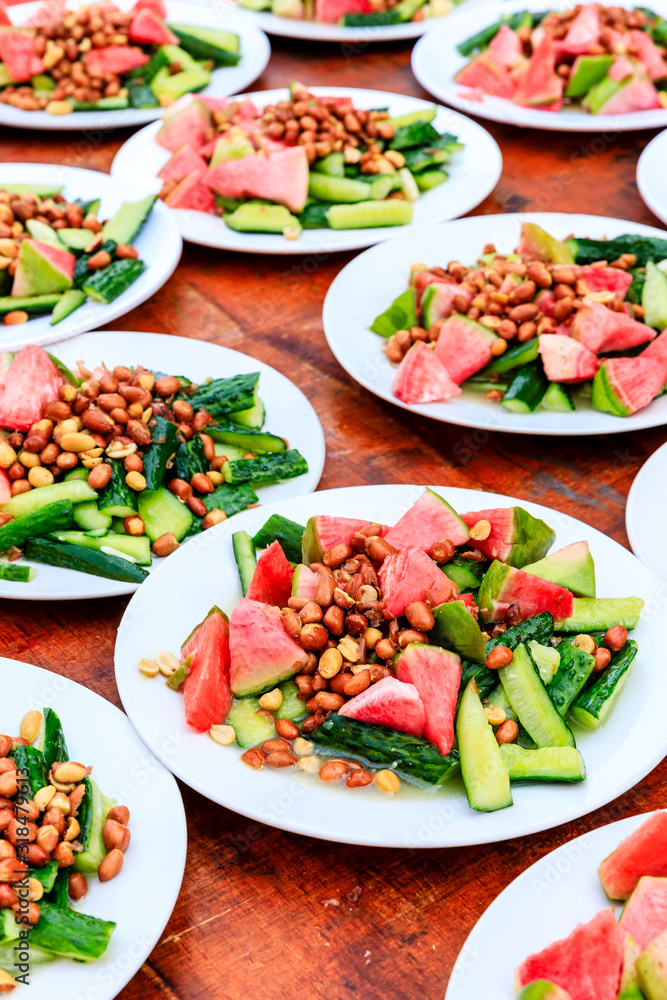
<point>540,628</point>
<point>17,573</point>
<point>52,739</point>
<point>71,300</point>
<point>224,396</point>
<point>575,667</point>
<point>269,468</point>
<point>237,436</point>
<point>281,529</point>
<point>83,560</point>
<point>107,285</point>
<point>231,499</point>
<point>527,389</point>
<point>126,224</point>
<point>30,759</point>
<point>244,554</point>
<point>341,190</point>
<point>595,703</point>
<point>53,517</point>
<point>377,745</point>
<point>189,459</point>
<point>590,614</point>
<point>245,710</point>
<point>370,214</point>
<point>520,769</point>
<point>163,446</point>
<point>117,493</point>
<point>171,516</point>
<point>28,503</point>
<point>481,760</point>
<point>552,731</point>
<point>30,304</point>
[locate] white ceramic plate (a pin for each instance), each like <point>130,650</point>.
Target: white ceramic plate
<point>159,244</point>
<point>370,282</point>
<point>98,734</point>
<point>551,897</point>
<point>436,61</point>
<point>645,514</point>
<point>650,176</point>
<point>180,593</point>
<point>255,54</point>
<point>289,414</point>
<point>473,173</point>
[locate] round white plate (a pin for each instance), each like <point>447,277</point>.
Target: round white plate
<point>159,244</point>
<point>473,173</point>
<point>98,734</point>
<point>436,61</point>
<point>645,514</point>
<point>288,414</point>
<point>178,596</point>
<point>370,283</point>
<point>650,176</point>
<point>255,54</point>
<point>555,894</point>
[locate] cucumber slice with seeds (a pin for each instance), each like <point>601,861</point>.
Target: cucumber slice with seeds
<point>251,728</point>
<point>485,775</point>
<point>544,764</point>
<point>244,554</point>
<point>530,701</point>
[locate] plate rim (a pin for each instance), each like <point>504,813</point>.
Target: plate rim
<point>272,25</point>
<point>637,543</point>
<point>651,150</point>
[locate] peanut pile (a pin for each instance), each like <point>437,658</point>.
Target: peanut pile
<point>35,831</point>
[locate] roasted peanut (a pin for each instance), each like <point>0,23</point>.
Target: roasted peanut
<point>616,637</point>
<point>165,544</point>
<point>111,865</point>
<point>499,657</point>
<point>507,732</point>
<point>420,616</point>
<point>442,551</point>
<point>333,770</point>
<point>115,835</point>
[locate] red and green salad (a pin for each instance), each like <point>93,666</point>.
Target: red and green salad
<point>602,60</point>
<point>57,830</point>
<point>101,470</point>
<point>552,325</point>
<point>55,254</point>
<point>609,958</point>
<point>354,13</point>
<point>305,162</point>
<point>371,654</point>
<point>100,58</point>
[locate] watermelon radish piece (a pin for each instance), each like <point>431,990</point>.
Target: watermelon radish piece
<point>281,177</point>
<point>571,567</point>
<point>587,964</point>
<point>262,654</point>
<point>272,579</point>
<point>464,346</point>
<point>304,582</point>
<point>657,351</point>
<point>436,674</point>
<point>485,74</point>
<point>565,359</point>
<point>4,16</point>
<point>439,304</point>
<point>607,279</point>
<point>420,282</point>
<point>516,536</point>
<point>430,519</point>
<point>624,385</point>
<point>410,575</point>
<point>546,301</point>
<point>390,703</point>
<point>16,53</point>
<point>148,28</point>
<point>49,11</point>
<point>649,54</point>
<point>5,487</point>
<point>31,382</point>
<point>206,691</point>
<point>601,329</point>
<point>185,161</point>
<point>114,59</point>
<point>584,32</point>
<point>540,989</point>
<point>644,852</point>
<point>645,913</point>
<point>192,194</point>
<point>505,585</point>
<point>506,48</point>
<point>323,532</point>
<point>331,11</point>
<point>421,378</point>
<point>621,69</point>
<point>469,601</point>
<point>42,269</point>
<point>638,94</point>
<point>158,6</point>
<point>541,86</point>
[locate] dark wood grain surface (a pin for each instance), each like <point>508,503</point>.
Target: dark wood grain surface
<point>255,916</point>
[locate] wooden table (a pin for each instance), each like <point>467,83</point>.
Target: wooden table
<point>255,915</point>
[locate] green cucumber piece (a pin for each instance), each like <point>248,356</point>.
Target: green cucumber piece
<point>531,703</point>
<point>401,315</point>
<point>485,679</point>
<point>270,468</point>
<point>250,728</point>
<point>485,775</point>
<point>380,187</point>
<point>81,272</point>
<point>117,499</point>
<point>70,934</point>
<point>333,165</point>
<point>163,446</point>
<point>52,741</point>
<point>325,187</point>
<point>230,499</point>
<point>32,304</point>
<point>246,440</point>
<point>106,285</point>
<point>597,614</point>
<point>515,357</point>
<point>539,627</point>
<point>498,698</point>
<point>46,877</point>
<point>70,301</point>
<point>376,19</point>
<point>71,379</point>
<point>189,459</point>
<point>41,190</point>
<point>557,398</point>
<point>574,669</point>
<point>527,389</point>
<point>594,704</point>
<point>462,577</point>
<point>546,659</point>
<point>27,503</point>
<point>370,214</point>
<point>53,517</point>
<point>654,297</point>
<point>75,240</point>
<point>292,707</point>
<point>422,115</point>
<point>30,761</point>
<point>223,396</point>
<point>543,764</point>
<point>43,232</point>
<point>117,103</point>
<point>84,560</point>
<point>126,224</point>
<point>409,756</point>
<point>88,517</point>
<point>407,9</point>
<point>431,178</point>
<point>134,548</point>
<point>17,573</point>
<point>281,529</point>
<point>252,217</point>
<point>209,43</point>
<point>253,417</point>
<point>92,815</point>
<point>244,554</point>
<point>162,514</point>
<point>140,95</point>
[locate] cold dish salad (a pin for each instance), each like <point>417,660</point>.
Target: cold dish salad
<point>608,958</point>
<point>550,324</point>
<point>56,829</point>
<point>55,254</point>
<point>305,162</point>
<point>603,60</point>
<point>408,652</point>
<point>100,58</point>
<point>101,470</point>
<point>354,13</point>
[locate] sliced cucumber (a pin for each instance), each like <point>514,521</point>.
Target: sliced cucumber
<point>592,707</point>
<point>246,440</point>
<point>92,815</point>
<point>106,285</point>
<point>281,529</point>
<point>527,389</point>
<point>336,189</point>
<point>431,178</point>
<point>126,224</point>
<point>44,233</point>
<point>530,701</point>
<point>576,666</point>
<point>543,764</point>
<point>546,659</point>
<point>84,560</point>
<point>597,614</point>
<point>654,297</point>
<point>31,304</point>
<point>270,468</point>
<point>370,214</point>
<point>557,398</point>
<point>485,776</point>
<point>254,218</point>
<point>251,728</point>
<point>27,503</point>
<point>134,548</point>
<point>75,239</point>
<point>244,554</point>
<point>379,188</point>
<point>41,190</point>
<point>333,165</point>
<point>52,517</point>
<point>515,357</point>
<point>117,499</point>
<point>71,300</point>
<point>17,572</point>
<point>209,43</point>
<point>292,708</point>
<point>162,514</point>
<point>253,417</point>
<point>423,115</point>
<point>89,517</point>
